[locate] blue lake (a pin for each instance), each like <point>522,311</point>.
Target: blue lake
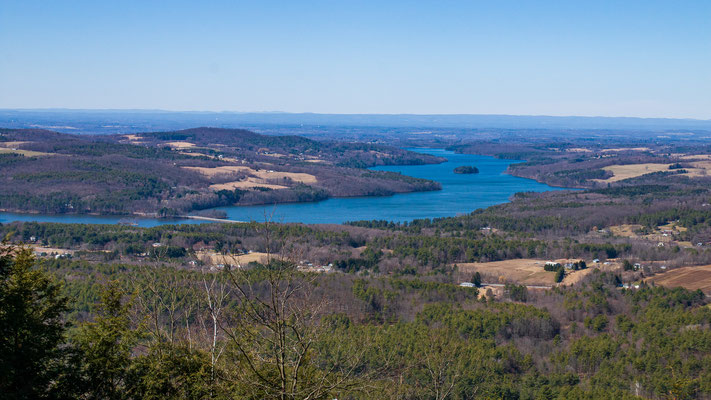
<point>460,194</point>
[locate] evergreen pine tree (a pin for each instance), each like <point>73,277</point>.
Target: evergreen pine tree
<point>31,326</point>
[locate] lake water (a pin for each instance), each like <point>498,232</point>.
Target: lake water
<point>461,193</point>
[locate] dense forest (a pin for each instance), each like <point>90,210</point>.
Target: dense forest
<point>78,330</point>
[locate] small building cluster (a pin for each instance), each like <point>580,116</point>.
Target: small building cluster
<point>309,266</point>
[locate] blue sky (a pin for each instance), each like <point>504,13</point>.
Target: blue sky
<point>616,58</point>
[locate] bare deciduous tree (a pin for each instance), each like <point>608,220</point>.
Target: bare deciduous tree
<point>216,293</point>
<point>275,333</point>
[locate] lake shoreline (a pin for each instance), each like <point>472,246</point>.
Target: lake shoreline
<point>458,194</point>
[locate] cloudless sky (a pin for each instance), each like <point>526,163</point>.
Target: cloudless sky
<point>612,58</point>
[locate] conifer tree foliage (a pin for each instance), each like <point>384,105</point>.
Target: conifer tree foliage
<point>31,326</point>
<point>476,279</point>
<point>106,346</point>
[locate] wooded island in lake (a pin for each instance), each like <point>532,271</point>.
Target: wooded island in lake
<point>466,169</point>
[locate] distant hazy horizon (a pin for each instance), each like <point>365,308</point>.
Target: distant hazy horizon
<point>126,121</point>
<point>268,112</point>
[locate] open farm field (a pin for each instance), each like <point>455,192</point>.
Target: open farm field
<point>525,271</point>
<point>26,153</point>
<point>691,278</point>
<point>213,258</point>
<point>628,171</point>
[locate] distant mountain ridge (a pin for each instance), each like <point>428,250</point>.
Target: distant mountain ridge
<point>128,121</point>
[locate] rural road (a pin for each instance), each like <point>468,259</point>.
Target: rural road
<point>527,286</point>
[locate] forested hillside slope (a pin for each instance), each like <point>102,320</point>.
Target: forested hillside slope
<point>175,173</point>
